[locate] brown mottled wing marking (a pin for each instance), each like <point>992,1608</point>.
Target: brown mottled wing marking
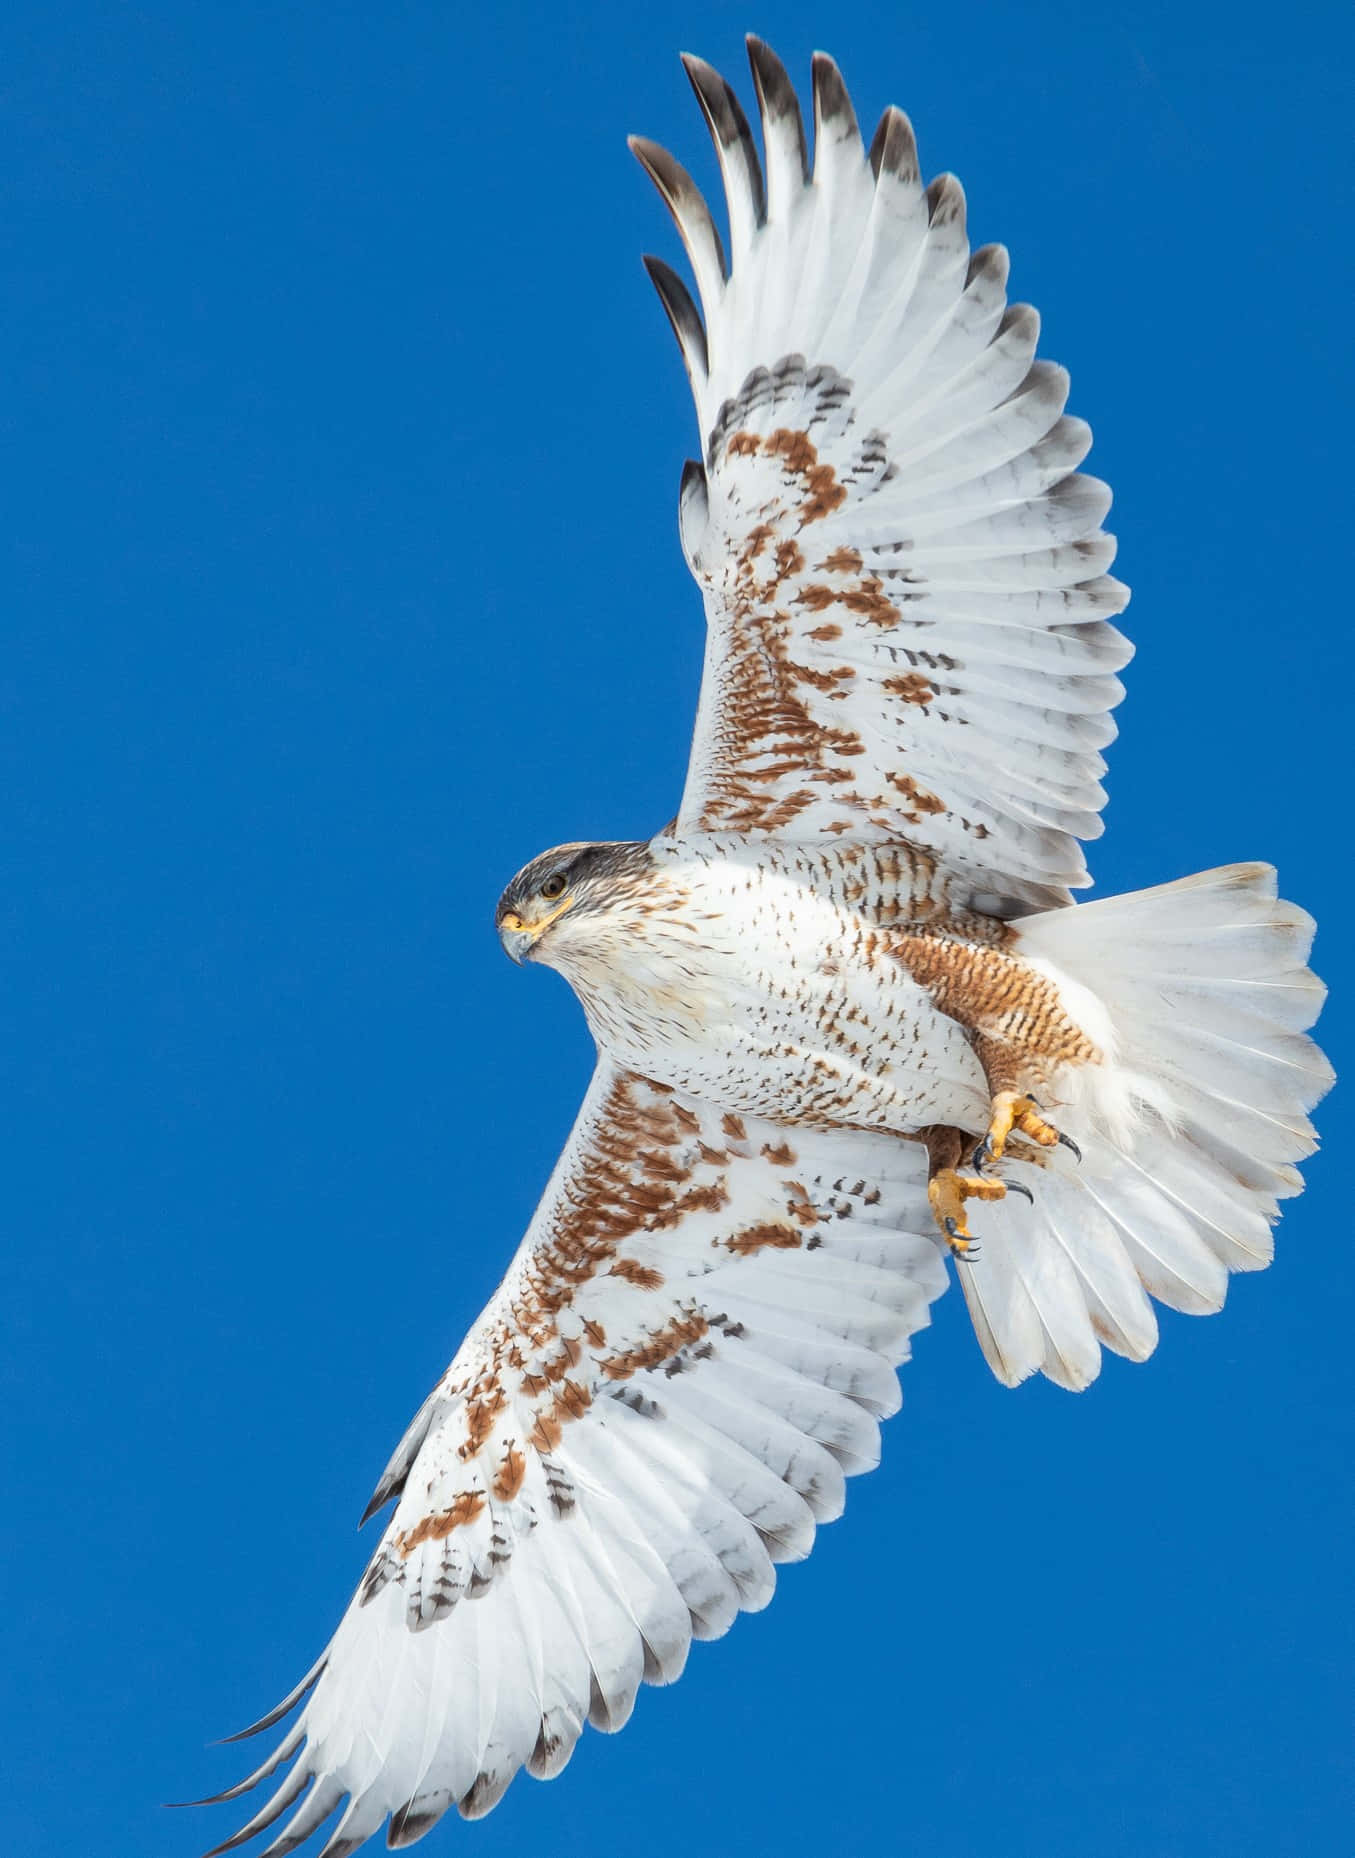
<point>904,574</point>
<point>690,1351</point>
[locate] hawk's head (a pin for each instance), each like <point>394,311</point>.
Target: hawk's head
<point>569,889</point>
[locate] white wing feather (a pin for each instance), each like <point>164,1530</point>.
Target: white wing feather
<point>689,1354</point>
<point>904,574</point>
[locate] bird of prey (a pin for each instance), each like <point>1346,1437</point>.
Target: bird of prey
<point>852,1032</point>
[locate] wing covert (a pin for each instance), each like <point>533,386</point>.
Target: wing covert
<point>689,1354</point>
<point>903,570</point>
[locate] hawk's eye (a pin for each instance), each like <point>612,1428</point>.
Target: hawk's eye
<point>554,886</point>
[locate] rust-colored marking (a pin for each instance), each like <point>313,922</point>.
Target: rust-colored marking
<point>795,449</point>
<point>1021,1032</point>
<point>781,1154</point>
<point>828,682</point>
<point>635,1180</point>
<point>662,1345</point>
<point>566,1358</point>
<point>799,1205</point>
<point>485,1403</point>
<point>817,596</point>
<point>511,1472</point>
<point>711,1199</point>
<point>869,599</point>
<point>465,1506</point>
<point>799,454</point>
<point>912,687</point>
<point>634,1177</point>
<point>919,799</point>
<point>545,1433</point>
<point>758,539</point>
<point>777,751</point>
<point>842,561</point>
<point>572,1401</point>
<point>734,1127</point>
<point>643,1276</point>
<point>758,1238</point>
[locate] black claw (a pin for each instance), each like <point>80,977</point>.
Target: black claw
<point>1016,1187</point>
<point>982,1154</point>
<point>1068,1142</point>
<point>959,1247</point>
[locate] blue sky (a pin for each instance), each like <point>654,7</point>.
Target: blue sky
<point>341,575</point>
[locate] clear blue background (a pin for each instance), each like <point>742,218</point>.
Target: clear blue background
<point>342,436</point>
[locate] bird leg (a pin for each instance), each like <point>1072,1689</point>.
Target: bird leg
<point>1011,1109</point>
<point>1007,1071</point>
<point>948,1187</point>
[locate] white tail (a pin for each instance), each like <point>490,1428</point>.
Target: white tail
<point>1199,995</point>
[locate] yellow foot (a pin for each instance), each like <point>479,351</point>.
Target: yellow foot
<point>1010,1110</point>
<point>948,1190</point>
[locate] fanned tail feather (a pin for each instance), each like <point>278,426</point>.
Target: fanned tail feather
<point>1199,994</point>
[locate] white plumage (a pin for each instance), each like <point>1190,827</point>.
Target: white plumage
<point>764,1333</point>
<point>970,551</point>
<point>857,920</point>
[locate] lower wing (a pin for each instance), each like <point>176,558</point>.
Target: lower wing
<point>691,1351</point>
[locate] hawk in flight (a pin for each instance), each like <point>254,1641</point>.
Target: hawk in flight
<point>850,1032</point>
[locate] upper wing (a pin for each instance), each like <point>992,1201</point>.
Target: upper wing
<point>904,575</point>
<point>690,1351</point>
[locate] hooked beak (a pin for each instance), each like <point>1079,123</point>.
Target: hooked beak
<point>519,938</point>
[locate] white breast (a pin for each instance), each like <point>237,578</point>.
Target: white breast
<point>764,991</point>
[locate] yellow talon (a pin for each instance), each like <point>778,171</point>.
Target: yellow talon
<point>1011,1110</point>
<point>947,1191</point>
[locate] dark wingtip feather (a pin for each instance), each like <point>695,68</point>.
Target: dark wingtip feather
<point>485,1793</point>
<point>693,509</point>
<point>380,1497</point>
<point>894,149</point>
<point>678,191</point>
<point>989,261</point>
<point>832,106</point>
<point>776,94</point>
<point>289,1702</point>
<point>286,1796</point>
<point>289,1746</point>
<point>226,1845</point>
<point>946,201</point>
<point>408,1825</point>
<point>728,125</point>
<point>693,478</point>
<point>229,1845</point>
<point>681,311</point>
<point>666,172</point>
<point>342,1845</point>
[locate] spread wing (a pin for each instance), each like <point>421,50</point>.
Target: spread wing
<point>903,571</point>
<point>690,1352</point>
